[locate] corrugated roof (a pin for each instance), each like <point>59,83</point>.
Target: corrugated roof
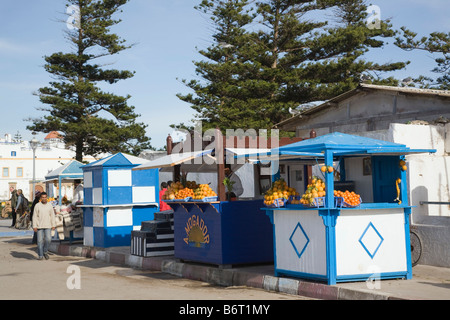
<point>363,88</point>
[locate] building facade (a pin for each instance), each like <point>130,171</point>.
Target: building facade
<point>418,118</point>
<point>16,164</point>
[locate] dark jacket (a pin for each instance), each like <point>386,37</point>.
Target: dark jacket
<point>35,201</point>
<point>14,200</point>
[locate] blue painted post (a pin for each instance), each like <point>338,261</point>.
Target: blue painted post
<point>329,181</point>
<point>408,244</point>
<point>329,218</point>
<point>403,184</point>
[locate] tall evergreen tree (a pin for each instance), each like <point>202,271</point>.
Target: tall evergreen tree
<point>282,54</point>
<point>329,59</point>
<point>218,96</point>
<point>90,119</point>
<point>438,44</point>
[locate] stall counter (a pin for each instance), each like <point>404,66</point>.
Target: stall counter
<point>222,233</point>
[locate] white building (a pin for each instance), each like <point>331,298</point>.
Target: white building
<point>16,164</point>
<point>418,118</point>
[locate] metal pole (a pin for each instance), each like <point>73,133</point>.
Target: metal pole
<point>34,172</point>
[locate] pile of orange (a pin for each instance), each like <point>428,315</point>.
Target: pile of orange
<point>184,193</point>
<point>203,191</point>
<point>315,189</point>
<point>350,197</point>
<point>279,190</point>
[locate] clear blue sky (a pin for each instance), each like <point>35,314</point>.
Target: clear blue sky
<point>166,33</point>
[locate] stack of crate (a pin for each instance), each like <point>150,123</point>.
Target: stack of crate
<point>156,237</point>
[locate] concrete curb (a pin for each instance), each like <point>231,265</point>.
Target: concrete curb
<point>220,277</point>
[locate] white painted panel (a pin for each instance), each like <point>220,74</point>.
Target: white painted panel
<point>98,217</point>
<point>97,196</point>
<point>144,194</point>
<point>384,230</point>
<point>118,217</point>
<point>119,178</point>
<point>299,226</point>
<point>87,179</point>
<point>88,238</point>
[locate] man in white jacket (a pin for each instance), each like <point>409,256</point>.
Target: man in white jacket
<point>43,223</point>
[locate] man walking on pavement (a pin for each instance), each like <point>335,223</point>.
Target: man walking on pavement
<point>13,205</point>
<point>43,223</point>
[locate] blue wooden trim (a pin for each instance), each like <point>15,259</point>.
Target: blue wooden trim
<point>269,213</point>
<point>299,226</point>
<point>105,186</point>
<point>375,276</point>
<point>329,218</point>
<point>329,180</point>
<point>408,244</point>
<point>371,254</point>
<point>403,185</point>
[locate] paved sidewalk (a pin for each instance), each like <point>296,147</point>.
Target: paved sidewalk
<point>428,282</point>
<point>6,231</point>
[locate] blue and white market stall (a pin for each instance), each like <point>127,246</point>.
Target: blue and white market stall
<point>117,200</point>
<point>69,219</point>
<point>331,242</point>
<point>68,172</point>
<point>215,231</point>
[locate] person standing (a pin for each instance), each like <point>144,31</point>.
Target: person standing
<point>163,206</point>
<point>36,200</point>
<point>77,193</point>
<point>238,190</point>
<point>43,223</point>
<point>20,208</point>
<point>13,205</point>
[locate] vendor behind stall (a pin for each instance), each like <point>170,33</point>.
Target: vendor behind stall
<point>238,190</point>
<point>162,205</point>
<point>78,193</point>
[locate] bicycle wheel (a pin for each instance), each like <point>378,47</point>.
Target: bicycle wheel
<point>416,248</point>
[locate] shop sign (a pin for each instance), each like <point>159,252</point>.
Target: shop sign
<point>196,232</point>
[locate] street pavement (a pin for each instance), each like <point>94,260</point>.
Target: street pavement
<point>428,282</point>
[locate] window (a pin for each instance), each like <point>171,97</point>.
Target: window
<point>19,172</point>
<point>5,172</point>
<point>13,153</point>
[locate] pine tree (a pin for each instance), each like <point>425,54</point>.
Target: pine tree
<point>437,43</point>
<point>282,54</point>
<point>90,119</point>
<point>330,60</point>
<point>219,94</point>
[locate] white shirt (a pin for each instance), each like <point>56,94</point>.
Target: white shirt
<point>78,194</point>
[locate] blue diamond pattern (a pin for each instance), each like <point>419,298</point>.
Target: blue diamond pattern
<point>299,234</point>
<point>372,251</point>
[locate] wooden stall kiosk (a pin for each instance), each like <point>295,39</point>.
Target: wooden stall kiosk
<point>329,240</point>
<point>70,218</point>
<point>215,230</point>
<point>117,200</point>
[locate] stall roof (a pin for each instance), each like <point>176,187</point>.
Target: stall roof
<point>185,159</point>
<point>116,160</point>
<point>71,170</point>
<point>341,144</point>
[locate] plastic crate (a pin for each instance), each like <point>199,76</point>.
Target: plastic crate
<point>179,200</point>
<point>317,203</point>
<point>207,199</point>
<point>340,203</point>
<point>277,203</point>
<point>293,198</point>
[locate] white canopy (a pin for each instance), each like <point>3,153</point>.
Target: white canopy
<point>200,161</point>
